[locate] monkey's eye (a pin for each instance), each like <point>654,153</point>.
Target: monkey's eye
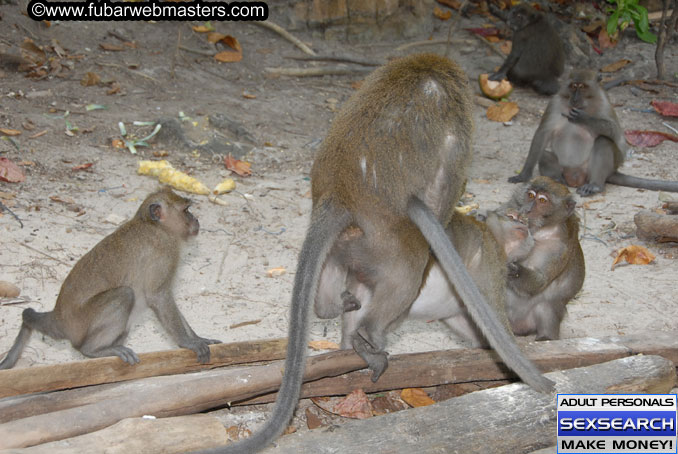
<point>542,199</point>
<point>531,194</point>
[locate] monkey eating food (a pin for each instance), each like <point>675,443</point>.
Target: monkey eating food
<point>579,141</point>
<point>542,283</point>
<point>384,184</point>
<point>130,269</point>
<point>537,57</point>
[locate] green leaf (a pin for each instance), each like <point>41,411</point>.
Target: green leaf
<point>612,23</point>
<point>648,36</point>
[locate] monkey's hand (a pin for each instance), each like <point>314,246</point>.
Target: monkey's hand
<point>578,116</point>
<point>498,76</point>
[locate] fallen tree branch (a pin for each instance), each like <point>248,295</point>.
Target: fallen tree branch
<point>314,72</point>
<point>661,228</point>
<point>141,435</point>
<point>337,58</point>
<point>112,369</point>
<point>285,34</point>
<point>509,419</point>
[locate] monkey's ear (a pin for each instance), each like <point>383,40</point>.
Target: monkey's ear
<point>570,204</point>
<point>155,211</point>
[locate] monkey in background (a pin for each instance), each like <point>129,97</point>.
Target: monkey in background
<point>486,249</point>
<point>541,284</point>
<point>384,184</point>
<point>579,141</point>
<point>130,269</point>
<point>537,57</point>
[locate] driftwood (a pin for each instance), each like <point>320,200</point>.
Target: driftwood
<point>112,369</point>
<point>141,436</point>
<point>178,396</point>
<point>509,419</point>
<point>65,414</point>
<point>651,226</point>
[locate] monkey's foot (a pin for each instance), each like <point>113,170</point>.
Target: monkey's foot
<point>210,341</point>
<point>201,348</point>
<point>589,189</point>
<point>351,303</point>
<point>518,178</point>
<point>124,353</point>
<point>377,361</point>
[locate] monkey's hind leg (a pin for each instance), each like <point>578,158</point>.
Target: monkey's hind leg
<point>546,87</point>
<point>601,167</point>
<point>109,313</point>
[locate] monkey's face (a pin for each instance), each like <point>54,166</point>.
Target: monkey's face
<point>520,17</point>
<point>536,206</point>
<point>579,92</point>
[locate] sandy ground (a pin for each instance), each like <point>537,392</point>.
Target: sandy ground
<point>223,278</point>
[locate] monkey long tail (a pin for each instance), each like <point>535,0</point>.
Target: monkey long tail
<point>622,179</point>
<point>19,343</point>
<point>481,312</point>
<point>327,222</point>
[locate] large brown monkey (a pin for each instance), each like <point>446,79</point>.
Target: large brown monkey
<point>541,284</point>
<point>384,184</point>
<point>131,268</point>
<point>579,141</point>
<point>537,57</point>
<point>486,249</point>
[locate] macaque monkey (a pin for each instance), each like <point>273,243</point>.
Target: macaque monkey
<point>485,248</point>
<point>384,184</point>
<point>130,269</point>
<point>537,57</point>
<point>579,141</point>
<point>541,284</point>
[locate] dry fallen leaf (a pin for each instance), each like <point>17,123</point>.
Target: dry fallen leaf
<point>604,40</point>
<point>635,255</point>
<point>356,405</point>
<point>323,345</point>
<point>616,66</point>
<point>502,111</point>
<point>666,108</point>
<point>10,172</point>
<point>83,166</point>
<point>388,403</point>
<point>278,271</point>
<point>9,290</point>
<point>90,79</point>
<point>248,95</point>
<point>202,28</point>
<point>228,56</point>
<point>232,42</point>
<point>10,132</point>
<point>648,139</point>
<point>456,4</point>
<point>242,168</point>
<point>440,14</point>
<point>416,397</point>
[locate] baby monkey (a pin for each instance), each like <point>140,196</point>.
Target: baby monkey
<point>131,269</point>
<point>541,284</point>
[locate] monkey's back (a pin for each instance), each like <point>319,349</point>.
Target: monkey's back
<point>385,146</point>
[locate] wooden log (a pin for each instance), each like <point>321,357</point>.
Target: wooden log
<point>656,227</point>
<point>188,394</point>
<point>508,419</point>
<point>112,369</point>
<point>460,366</point>
<point>177,395</point>
<point>140,435</point>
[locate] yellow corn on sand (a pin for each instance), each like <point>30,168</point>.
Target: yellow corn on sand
<point>179,180</point>
<point>152,168</point>
<point>225,186</point>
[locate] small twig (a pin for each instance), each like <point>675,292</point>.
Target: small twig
<point>176,53</point>
<point>428,42</point>
<point>5,208</point>
<point>45,254</point>
<point>131,71</point>
<point>670,127</point>
<point>250,322</point>
<point>489,44</point>
<point>314,72</point>
<point>205,53</point>
<point>285,34</point>
<point>453,26</point>
<point>337,58</point>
